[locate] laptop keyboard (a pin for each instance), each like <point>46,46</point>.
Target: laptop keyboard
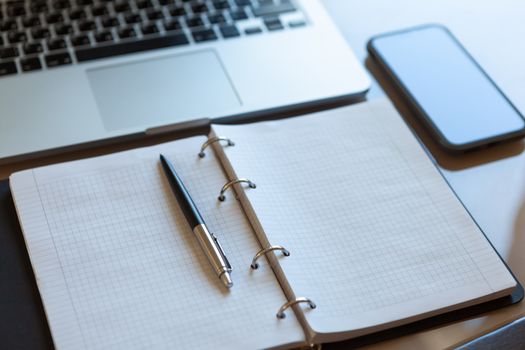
<point>40,34</point>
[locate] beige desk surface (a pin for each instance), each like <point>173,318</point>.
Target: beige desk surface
<point>491,183</point>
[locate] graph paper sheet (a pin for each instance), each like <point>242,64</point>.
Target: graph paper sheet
<point>118,267</point>
<point>376,236</point>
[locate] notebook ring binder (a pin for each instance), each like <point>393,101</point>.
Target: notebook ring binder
<point>213,140</point>
<point>281,314</point>
<point>264,251</point>
<point>229,184</point>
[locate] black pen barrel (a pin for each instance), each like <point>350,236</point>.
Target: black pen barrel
<point>184,199</point>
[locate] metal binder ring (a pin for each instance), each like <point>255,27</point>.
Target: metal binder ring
<point>231,183</point>
<point>281,314</point>
<point>212,140</point>
<point>264,251</point>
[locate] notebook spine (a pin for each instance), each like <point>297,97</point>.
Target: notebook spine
<point>264,251</point>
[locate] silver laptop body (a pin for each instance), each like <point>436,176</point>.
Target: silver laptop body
<point>281,57</point>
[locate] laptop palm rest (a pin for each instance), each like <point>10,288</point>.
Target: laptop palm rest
<point>162,91</point>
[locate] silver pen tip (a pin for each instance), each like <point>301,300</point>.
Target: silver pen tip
<point>226,280</point>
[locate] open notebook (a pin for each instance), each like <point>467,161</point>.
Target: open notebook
<point>377,238</point>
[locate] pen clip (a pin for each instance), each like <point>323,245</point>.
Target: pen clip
<point>221,251</point>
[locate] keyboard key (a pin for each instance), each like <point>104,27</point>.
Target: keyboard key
<point>84,2</point>
<point>15,9</point>
<point>131,47</point>
<point>177,11</point>
<point>200,35</point>
<point>77,14</point>
<point>40,33</point>
<point>229,31</point>
<point>56,44</point>
<point>85,26</point>
<point>216,18</point>
<point>59,59</point>
<point>80,40</point>
<point>108,22</point>
<point>61,4</point>
<point>122,6</point>
<point>273,9</point>
<point>296,24</point>
<point>7,68</point>
<point>31,21</point>
<point>16,37</point>
<point>166,2</point>
<point>199,7</point>
<point>99,10</point>
<point>143,4</point>
<point>171,25</point>
<point>273,24</point>
<point>36,7</point>
<point>153,14</point>
<point>104,36</point>
<point>131,18</point>
<point>63,29</point>
<point>238,15</point>
<point>242,2</point>
<point>30,63</point>
<point>149,29</point>
<point>31,48</point>
<point>128,32</point>
<point>194,22</point>
<point>252,30</point>
<point>54,17</point>
<point>221,4</point>
<point>8,52</point>
<point>8,24</point>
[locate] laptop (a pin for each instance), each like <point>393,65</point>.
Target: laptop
<point>74,73</point>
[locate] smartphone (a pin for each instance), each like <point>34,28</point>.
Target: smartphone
<point>457,101</point>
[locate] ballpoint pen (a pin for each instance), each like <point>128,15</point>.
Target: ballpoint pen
<point>207,240</point>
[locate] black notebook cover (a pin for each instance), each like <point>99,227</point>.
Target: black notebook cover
<point>23,323</point>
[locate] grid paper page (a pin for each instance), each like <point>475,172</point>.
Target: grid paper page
<point>375,234</point>
<point>118,267</point>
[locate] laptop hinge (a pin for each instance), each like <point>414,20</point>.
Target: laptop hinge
<point>193,124</point>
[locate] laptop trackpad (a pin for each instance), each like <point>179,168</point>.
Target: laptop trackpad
<point>162,91</point>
